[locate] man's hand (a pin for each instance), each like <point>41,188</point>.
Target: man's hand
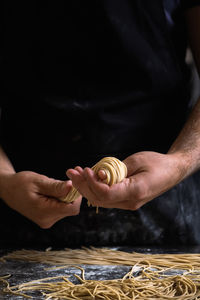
<point>149,175</point>
<point>36,197</point>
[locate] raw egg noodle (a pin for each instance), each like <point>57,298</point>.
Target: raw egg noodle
<point>151,282</point>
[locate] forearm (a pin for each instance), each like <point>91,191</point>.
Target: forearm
<point>6,169</point>
<point>187,144</point>
<point>5,164</point>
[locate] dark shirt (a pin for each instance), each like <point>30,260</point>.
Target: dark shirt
<point>92,78</point>
<point>87,79</point>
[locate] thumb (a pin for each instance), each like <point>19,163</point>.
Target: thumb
<point>55,188</point>
<point>133,163</point>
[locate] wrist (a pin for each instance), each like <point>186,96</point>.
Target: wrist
<point>182,162</point>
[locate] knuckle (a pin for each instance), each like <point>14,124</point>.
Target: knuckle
<point>57,186</point>
<point>40,180</point>
<point>76,211</point>
<point>44,224</point>
<point>135,206</point>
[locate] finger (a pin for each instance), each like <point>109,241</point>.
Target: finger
<point>72,172</point>
<point>133,164</point>
<point>54,210</point>
<point>80,183</point>
<point>105,196</point>
<point>79,169</point>
<point>54,188</point>
<point>102,175</point>
<point>75,176</point>
<point>102,191</point>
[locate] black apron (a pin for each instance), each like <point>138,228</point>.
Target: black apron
<point>84,80</point>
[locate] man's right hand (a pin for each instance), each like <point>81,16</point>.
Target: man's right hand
<point>36,197</point>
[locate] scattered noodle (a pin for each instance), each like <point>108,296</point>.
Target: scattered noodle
<point>152,281</point>
<point>153,286</point>
<point>104,256</point>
